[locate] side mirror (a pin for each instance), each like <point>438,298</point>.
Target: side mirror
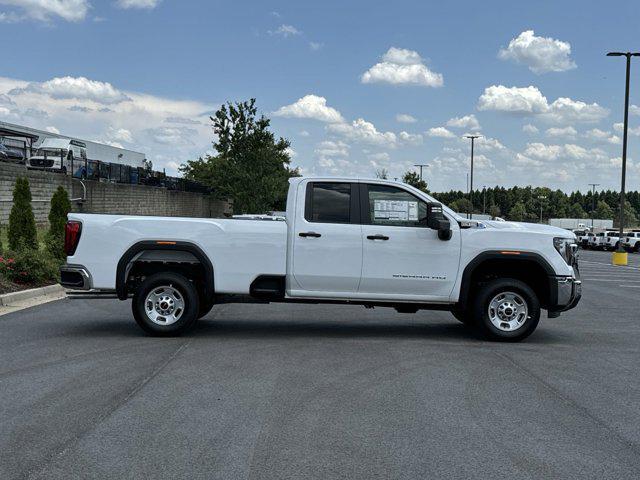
<point>436,220</point>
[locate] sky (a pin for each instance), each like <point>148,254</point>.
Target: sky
<point>356,86</point>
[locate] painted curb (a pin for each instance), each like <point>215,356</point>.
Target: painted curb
<point>10,298</point>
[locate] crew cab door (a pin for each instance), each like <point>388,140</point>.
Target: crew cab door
<point>402,258</point>
<point>327,240</point>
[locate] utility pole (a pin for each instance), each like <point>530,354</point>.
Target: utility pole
<point>593,201</point>
<point>621,258</point>
<point>541,198</point>
<point>472,138</point>
<point>421,165</point>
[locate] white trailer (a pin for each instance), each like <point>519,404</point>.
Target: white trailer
<point>571,223</point>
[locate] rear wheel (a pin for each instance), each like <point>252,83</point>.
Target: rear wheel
<point>165,304</point>
<point>506,310</point>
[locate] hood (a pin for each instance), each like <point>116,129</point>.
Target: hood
<point>530,227</point>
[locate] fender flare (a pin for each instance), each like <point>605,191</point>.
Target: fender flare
<point>135,249</point>
<point>515,256</point>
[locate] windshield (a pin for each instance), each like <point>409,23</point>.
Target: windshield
<point>51,152</point>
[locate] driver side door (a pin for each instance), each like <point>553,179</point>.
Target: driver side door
<point>402,258</point>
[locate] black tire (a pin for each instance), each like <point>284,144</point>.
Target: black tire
<point>188,294</point>
<point>479,309</point>
<point>637,247</point>
<point>205,307</point>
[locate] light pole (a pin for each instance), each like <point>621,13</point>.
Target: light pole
<point>593,201</point>
<point>541,198</point>
<point>621,257</point>
<point>472,138</point>
<point>421,165</point>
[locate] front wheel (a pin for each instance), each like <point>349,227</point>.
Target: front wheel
<point>506,310</point>
<point>165,304</point>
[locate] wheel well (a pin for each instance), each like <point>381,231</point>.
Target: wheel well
<point>527,270</point>
<point>146,258</point>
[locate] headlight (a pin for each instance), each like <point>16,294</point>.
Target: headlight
<point>566,248</point>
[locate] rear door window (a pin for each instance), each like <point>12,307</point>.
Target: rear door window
<point>328,202</point>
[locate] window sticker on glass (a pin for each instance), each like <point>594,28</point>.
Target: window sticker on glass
<point>394,210</point>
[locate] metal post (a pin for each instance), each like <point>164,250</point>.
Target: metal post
<point>621,257</point>
<point>473,138</point>
<point>624,150</point>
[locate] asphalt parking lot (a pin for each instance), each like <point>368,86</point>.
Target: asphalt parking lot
<point>293,391</point>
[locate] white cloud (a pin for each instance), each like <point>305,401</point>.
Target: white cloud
<point>400,66</point>
<point>121,135</point>
<point>633,131</point>
<point>405,118</point>
<point>148,4</point>
<point>45,10</point>
<point>315,46</point>
<point>304,133</point>
<point>440,132</point>
<point>530,101</point>
<point>548,153</point>
<point>561,132</point>
<point>410,138</point>
<point>540,54</point>
<point>312,107</point>
<point>488,144</point>
<point>330,148</point>
<point>468,121</point>
<point>364,132</point>
<point>285,31</point>
<point>530,129</point>
<point>52,129</point>
<point>80,88</point>
<point>634,109</point>
<point>527,100</point>
<point>143,122</point>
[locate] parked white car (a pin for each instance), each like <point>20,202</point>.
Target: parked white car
<point>375,243</point>
<point>609,240</point>
<point>631,242</point>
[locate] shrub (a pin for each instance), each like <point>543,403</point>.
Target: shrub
<point>29,266</point>
<point>60,207</point>
<point>22,224</point>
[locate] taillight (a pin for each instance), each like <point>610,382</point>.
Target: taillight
<point>72,232</point>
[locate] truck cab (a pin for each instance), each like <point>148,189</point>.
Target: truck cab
<point>59,154</point>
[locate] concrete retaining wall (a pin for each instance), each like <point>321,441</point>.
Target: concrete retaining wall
<point>106,197</point>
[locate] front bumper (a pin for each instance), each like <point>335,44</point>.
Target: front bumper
<point>75,277</point>
<point>564,295</point>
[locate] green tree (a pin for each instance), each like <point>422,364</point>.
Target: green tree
<point>250,165</point>
<point>494,210</point>
<point>576,211</point>
<point>22,224</point>
<point>461,206</point>
<point>603,211</point>
<point>60,207</point>
<point>518,212</point>
<point>413,179</point>
<point>630,216</point>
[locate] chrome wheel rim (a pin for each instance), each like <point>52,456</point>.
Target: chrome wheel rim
<point>508,311</point>
<point>164,305</point>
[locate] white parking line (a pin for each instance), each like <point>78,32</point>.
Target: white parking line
<point>608,265</point>
<point>610,280</point>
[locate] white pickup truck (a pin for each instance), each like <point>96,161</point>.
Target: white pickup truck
<point>375,243</point>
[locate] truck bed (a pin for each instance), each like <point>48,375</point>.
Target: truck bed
<point>240,249</point>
